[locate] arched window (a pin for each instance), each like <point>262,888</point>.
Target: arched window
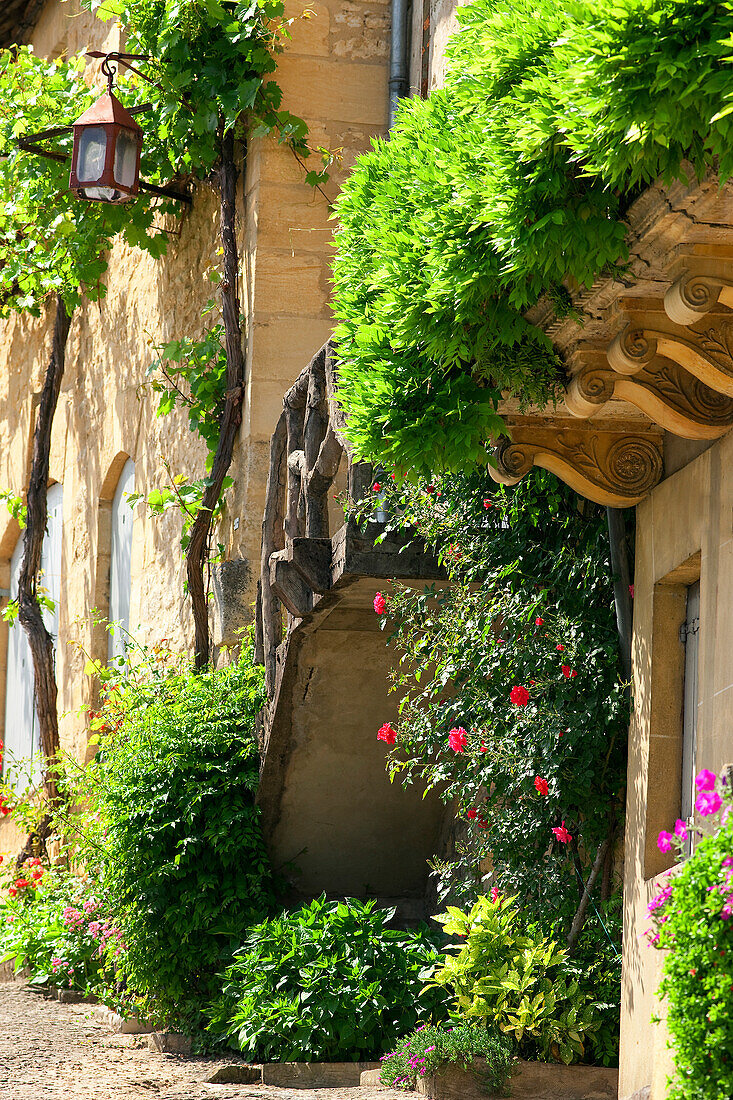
<point>21,721</point>
<point>120,565</point>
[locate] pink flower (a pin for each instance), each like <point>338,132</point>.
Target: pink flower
<point>539,621</point>
<point>387,734</point>
<point>488,502</point>
<point>494,894</point>
<point>458,739</point>
<point>380,604</point>
<point>665,841</point>
<point>541,785</point>
<point>709,802</point>
<point>562,834</point>
<point>631,591</point>
<point>705,781</point>
<point>519,696</point>
<point>680,828</point>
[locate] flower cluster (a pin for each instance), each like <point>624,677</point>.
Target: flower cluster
<point>714,793</point>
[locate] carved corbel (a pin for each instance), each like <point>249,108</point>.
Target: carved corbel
<point>614,468</point>
<point>691,296</point>
<point>662,390</point>
<point>708,355</point>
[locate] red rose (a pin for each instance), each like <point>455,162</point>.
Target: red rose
<point>559,648</point>
<point>562,834</point>
<point>568,672</point>
<point>458,739</point>
<point>541,785</point>
<point>488,502</point>
<point>387,734</point>
<point>471,814</point>
<point>519,696</point>
<point>539,621</point>
<point>376,487</point>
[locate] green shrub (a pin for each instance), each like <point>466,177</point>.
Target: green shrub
<point>427,1049</point>
<point>329,982</point>
<point>510,183</point>
<point>517,983</point>
<point>693,917</point>
<point>177,837</point>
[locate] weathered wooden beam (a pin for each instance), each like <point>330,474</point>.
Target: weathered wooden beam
<point>288,584</point>
<point>273,539</point>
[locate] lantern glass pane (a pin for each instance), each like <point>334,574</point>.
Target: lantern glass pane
<point>92,149</point>
<point>125,158</point>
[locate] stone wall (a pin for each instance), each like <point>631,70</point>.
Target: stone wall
<point>683,534</point>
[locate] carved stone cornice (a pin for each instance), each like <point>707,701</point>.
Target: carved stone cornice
<point>668,394</point>
<point>611,467</point>
<point>707,354</point>
<point>691,296</point>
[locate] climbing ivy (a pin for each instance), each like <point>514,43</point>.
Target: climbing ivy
<point>508,184</point>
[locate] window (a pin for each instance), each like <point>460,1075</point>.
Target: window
<point>690,637</point>
<point>120,566</point>
<point>21,722</point>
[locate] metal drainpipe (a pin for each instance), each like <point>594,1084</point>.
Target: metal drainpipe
<point>621,582</point>
<point>399,86</point>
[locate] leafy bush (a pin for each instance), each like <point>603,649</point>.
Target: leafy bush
<point>427,1049</point>
<point>693,920</point>
<point>329,982</point>
<point>508,184</point>
<point>530,606</point>
<point>173,825</point>
<point>57,926</point>
<point>517,983</point>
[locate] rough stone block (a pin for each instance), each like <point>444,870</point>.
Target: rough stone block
<point>74,997</point>
<point>231,584</point>
<point>370,1079</point>
<point>236,1073</point>
<point>530,1081</point>
<point>169,1042</point>
<point>315,1075</point>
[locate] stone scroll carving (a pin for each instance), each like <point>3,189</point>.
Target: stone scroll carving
<point>615,468</point>
<point>706,354</point>
<point>664,391</point>
<point>692,295</point>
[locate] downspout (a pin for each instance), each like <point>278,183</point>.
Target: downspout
<point>399,83</point>
<point>621,583</point>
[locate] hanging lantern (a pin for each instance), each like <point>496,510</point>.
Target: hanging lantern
<point>105,160</point>
<point>105,157</point>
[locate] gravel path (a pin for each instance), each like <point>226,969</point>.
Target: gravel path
<point>52,1051</point>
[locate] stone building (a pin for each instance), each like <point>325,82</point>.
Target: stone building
<point>645,423</point>
<point>98,553</point>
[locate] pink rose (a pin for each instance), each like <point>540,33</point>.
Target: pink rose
<point>380,604</point>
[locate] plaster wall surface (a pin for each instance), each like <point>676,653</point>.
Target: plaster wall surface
<point>333,75</point>
<point>684,533</point>
<point>337,797</point>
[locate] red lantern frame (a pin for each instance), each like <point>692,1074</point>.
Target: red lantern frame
<point>109,115</point>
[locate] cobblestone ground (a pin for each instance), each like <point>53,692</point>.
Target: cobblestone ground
<point>51,1051</point>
